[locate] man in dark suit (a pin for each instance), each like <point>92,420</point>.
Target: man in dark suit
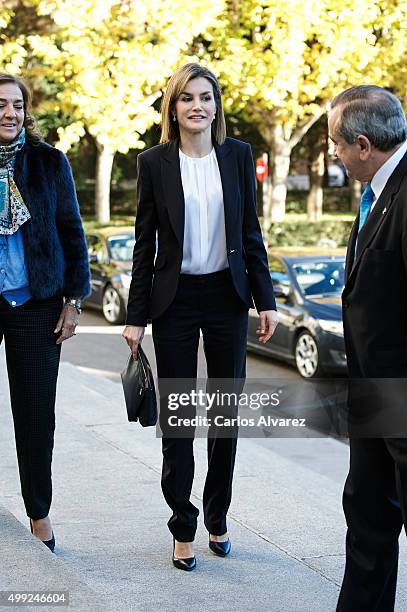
<point>368,127</point>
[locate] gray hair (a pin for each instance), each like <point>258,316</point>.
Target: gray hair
<point>373,112</point>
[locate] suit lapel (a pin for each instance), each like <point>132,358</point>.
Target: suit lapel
<point>174,194</point>
<point>350,253</point>
<point>230,185</point>
<point>375,218</point>
<point>172,189</point>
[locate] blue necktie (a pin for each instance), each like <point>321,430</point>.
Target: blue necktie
<point>366,202</point>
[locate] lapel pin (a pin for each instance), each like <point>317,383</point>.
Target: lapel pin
<point>384,211</point>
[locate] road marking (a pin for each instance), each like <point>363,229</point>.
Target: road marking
<point>105,373</point>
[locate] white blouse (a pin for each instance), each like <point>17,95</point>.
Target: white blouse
<point>204,229</point>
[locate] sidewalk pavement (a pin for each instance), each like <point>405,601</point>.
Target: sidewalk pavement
<point>113,547</point>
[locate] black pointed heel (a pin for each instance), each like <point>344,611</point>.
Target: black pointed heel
<point>187,565</point>
<point>48,543</point>
<point>220,548</point>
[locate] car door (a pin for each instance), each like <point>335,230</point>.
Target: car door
<point>97,253</point>
<point>278,344</point>
<point>282,286</point>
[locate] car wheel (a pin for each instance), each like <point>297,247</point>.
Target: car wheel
<point>113,307</point>
<point>307,356</point>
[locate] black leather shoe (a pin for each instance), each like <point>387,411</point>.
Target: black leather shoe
<point>187,564</point>
<point>220,548</point>
<point>48,543</point>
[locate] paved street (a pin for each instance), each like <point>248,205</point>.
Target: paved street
<point>113,546</point>
<point>99,348</point>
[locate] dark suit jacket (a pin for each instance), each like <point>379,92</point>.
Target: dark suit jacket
<point>374,299</point>
<point>161,208</point>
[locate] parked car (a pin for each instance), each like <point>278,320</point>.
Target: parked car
<point>110,258</point>
<point>310,330</point>
<point>336,178</point>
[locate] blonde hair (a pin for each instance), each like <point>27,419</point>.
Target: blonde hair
<point>176,85</point>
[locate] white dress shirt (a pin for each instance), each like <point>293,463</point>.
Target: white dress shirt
<point>204,230</point>
<point>383,174</point>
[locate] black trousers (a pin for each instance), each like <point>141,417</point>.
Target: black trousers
<point>208,303</point>
<point>375,505</point>
<point>32,364</point>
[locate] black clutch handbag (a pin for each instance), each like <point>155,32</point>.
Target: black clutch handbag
<point>139,390</point>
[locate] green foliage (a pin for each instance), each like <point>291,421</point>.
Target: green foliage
<point>239,127</point>
<point>116,221</point>
<point>336,199</point>
<point>297,231</point>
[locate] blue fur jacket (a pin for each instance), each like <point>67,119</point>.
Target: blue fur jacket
<point>55,248</point>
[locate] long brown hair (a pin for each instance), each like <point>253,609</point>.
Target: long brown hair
<point>176,85</point>
<point>32,131</point>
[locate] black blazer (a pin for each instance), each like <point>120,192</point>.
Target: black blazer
<point>374,299</point>
<point>161,208</point>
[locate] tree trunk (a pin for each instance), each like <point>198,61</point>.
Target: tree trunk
<point>316,194</point>
<point>355,194</point>
<point>281,140</point>
<point>280,151</point>
<point>316,171</point>
<point>104,164</point>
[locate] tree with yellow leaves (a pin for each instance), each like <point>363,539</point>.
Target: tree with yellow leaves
<point>112,59</point>
<point>282,61</point>
<point>12,49</point>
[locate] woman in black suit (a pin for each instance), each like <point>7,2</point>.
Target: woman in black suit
<point>43,259</point>
<point>197,190</point>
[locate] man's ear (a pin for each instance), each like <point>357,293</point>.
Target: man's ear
<point>365,147</point>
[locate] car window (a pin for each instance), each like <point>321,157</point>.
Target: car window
<point>278,272</point>
<point>96,248</point>
<point>121,247</point>
<point>320,277</point>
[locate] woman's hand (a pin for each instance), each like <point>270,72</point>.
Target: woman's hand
<point>67,323</point>
<point>133,334</point>
<point>268,320</point>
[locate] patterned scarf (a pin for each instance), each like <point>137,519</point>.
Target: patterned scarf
<point>13,211</point>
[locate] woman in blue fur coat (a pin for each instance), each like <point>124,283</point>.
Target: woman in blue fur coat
<point>44,274</point>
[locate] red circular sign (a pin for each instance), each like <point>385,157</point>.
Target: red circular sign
<point>262,170</point>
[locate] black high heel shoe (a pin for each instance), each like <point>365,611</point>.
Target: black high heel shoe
<point>48,543</point>
<point>220,548</point>
<point>187,565</point>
